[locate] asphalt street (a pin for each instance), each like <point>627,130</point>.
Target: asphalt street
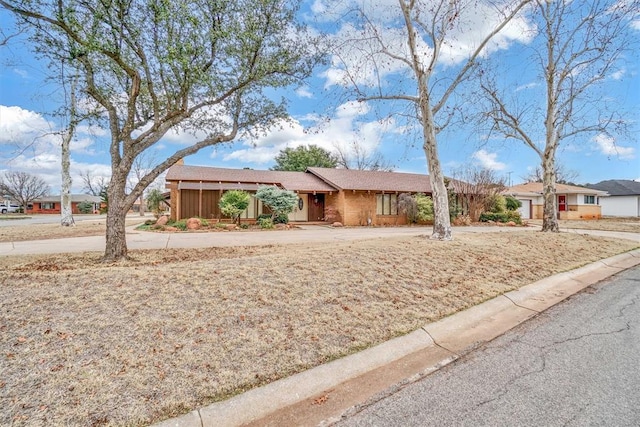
<point>577,364</point>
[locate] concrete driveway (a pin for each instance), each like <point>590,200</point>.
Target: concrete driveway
<point>304,234</point>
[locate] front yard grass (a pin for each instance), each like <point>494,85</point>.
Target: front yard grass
<point>133,343</point>
<point>630,224</point>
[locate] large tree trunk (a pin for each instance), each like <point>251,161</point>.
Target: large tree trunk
<point>439,194</point>
<point>550,210</point>
<point>66,214</point>
<point>116,244</point>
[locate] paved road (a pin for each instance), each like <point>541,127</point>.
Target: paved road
<point>577,364</point>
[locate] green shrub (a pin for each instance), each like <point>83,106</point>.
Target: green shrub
<point>281,219</point>
<point>512,203</point>
<point>495,203</point>
<point>501,217</point>
<point>425,207</point>
<point>281,202</point>
<point>233,203</point>
<point>244,226</point>
<point>220,225</point>
<point>265,222</point>
<point>155,202</point>
<point>180,225</point>
<point>85,207</point>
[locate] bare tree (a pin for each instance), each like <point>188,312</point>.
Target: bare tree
<point>563,175</point>
<point>577,48</point>
<point>407,58</point>
<point>201,66</point>
<point>94,185</point>
<point>23,187</point>
<point>475,188</point>
<point>66,212</point>
<point>357,156</point>
<point>141,166</point>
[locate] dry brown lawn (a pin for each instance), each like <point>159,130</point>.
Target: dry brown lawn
<point>631,225</point>
<point>24,232</point>
<point>83,343</point>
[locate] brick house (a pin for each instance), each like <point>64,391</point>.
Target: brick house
<point>352,197</point>
<point>572,202</point>
<point>52,204</point>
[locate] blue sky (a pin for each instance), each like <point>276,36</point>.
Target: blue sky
<point>321,114</point>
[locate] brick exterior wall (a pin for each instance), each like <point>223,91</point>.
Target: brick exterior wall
<point>574,212</point>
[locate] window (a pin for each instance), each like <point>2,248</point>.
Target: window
<point>589,200</point>
<point>250,212</point>
<point>386,204</point>
<point>47,205</point>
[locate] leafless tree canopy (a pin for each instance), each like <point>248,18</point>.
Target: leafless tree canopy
<point>476,187</point>
<point>23,187</point>
<point>563,175</point>
<point>357,156</point>
<point>402,62</point>
<point>579,45</point>
<point>93,185</point>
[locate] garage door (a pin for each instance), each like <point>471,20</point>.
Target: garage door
<point>525,209</point>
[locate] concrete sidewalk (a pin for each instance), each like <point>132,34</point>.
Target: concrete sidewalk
<point>303,234</point>
<point>322,395</point>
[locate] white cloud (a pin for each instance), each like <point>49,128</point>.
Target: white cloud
<point>527,86</point>
<point>304,92</point>
<point>22,127</point>
<point>348,125</point>
<point>488,160</point>
<point>21,73</point>
<point>360,49</point>
<point>618,75</point>
<point>607,146</point>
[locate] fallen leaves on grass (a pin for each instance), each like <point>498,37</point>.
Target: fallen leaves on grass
<point>135,342</point>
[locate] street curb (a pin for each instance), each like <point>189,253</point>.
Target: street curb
<point>321,395</point>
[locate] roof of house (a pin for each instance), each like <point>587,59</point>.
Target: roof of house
<point>75,198</point>
<point>535,189</point>
<point>314,179</point>
<point>618,187</point>
<point>350,179</point>
<point>244,179</point>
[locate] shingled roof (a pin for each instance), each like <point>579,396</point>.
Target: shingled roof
<point>618,187</point>
<point>315,179</point>
<point>535,188</point>
<point>349,179</point>
<point>247,178</point>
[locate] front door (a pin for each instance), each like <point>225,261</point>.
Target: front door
<point>562,203</point>
<point>316,207</point>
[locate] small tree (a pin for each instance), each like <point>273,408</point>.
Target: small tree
<point>407,205</point>
<point>300,158</point>
<point>512,203</point>
<point>425,207</point>
<point>85,207</point>
<point>281,202</point>
<point>496,203</point>
<point>155,202</point>
<point>23,187</point>
<point>233,203</point>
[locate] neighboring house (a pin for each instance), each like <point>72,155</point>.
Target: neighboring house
<point>624,197</point>
<point>352,197</point>
<point>572,202</point>
<point>52,204</point>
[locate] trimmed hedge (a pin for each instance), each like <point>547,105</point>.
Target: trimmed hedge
<point>501,217</point>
